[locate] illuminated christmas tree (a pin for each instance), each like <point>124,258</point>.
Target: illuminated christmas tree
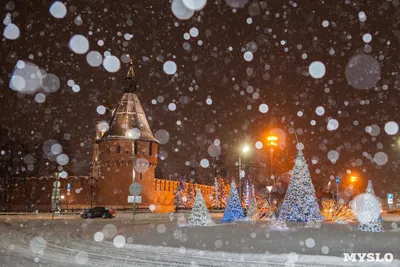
<point>252,211</point>
<point>180,192</point>
<point>199,215</point>
<point>300,204</point>
<point>233,210</point>
<point>369,215</point>
<point>221,193</point>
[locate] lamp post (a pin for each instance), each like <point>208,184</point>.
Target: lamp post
<point>56,185</point>
<point>245,150</point>
<point>269,187</point>
<point>272,142</point>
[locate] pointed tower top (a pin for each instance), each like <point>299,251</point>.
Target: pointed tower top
<point>131,71</point>
<point>129,120</point>
<point>130,79</point>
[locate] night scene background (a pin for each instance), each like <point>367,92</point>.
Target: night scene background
<point>243,71</point>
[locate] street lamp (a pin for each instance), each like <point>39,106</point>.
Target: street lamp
<point>269,187</point>
<point>245,150</point>
<point>272,142</point>
<point>353,179</point>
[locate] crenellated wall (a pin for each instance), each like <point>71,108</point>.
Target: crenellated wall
<point>164,194</point>
<point>79,192</point>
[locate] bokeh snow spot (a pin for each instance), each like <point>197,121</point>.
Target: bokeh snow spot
<point>94,58</point>
<point>37,245</point>
<point>161,228</point>
<point>162,136</point>
<point>81,257</point>
<point>109,230</point>
<point>391,128</point>
<point>79,44</point>
<point>11,31</point>
<point>111,64</point>
<point>169,67</point>
<point>263,108</point>
<point>310,242</point>
<point>119,241</point>
<point>180,10</point>
<point>363,71</point>
<point>58,10</point>
<point>325,250</point>
<point>204,163</point>
<point>381,158</point>
<point>98,236</point>
<point>214,150</point>
<point>317,69</point>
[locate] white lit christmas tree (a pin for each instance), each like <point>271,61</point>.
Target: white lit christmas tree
<point>233,210</point>
<point>252,211</point>
<point>300,204</point>
<point>369,215</point>
<point>199,215</point>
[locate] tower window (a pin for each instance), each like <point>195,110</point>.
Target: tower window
<point>150,149</point>
<point>135,147</point>
<point>141,177</point>
<point>119,149</point>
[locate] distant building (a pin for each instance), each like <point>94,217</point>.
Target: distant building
<point>124,151</point>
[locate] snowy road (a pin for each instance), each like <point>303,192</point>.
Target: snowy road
<point>156,242</point>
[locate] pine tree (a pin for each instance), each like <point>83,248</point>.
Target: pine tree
<point>190,195</point>
<point>199,215</point>
<point>300,204</point>
<point>372,222</point>
<point>223,192</point>
<point>179,193</point>
<point>265,210</point>
<point>233,210</point>
<point>252,211</point>
<point>246,198</point>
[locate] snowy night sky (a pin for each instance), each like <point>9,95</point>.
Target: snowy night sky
<point>229,63</point>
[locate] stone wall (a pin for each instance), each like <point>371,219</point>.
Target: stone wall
<point>79,192</point>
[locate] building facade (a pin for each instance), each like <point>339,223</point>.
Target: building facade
<point>124,151</point>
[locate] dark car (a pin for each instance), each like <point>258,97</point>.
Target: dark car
<point>98,212</point>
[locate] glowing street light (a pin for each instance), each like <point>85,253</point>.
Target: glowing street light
<point>245,149</point>
<point>272,141</point>
<point>353,179</point>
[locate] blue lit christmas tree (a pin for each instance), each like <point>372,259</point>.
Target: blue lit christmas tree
<point>300,204</point>
<point>233,210</point>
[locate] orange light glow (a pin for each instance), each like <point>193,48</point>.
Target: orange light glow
<point>272,141</point>
<point>353,179</point>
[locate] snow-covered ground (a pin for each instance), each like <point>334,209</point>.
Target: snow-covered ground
<point>155,241</point>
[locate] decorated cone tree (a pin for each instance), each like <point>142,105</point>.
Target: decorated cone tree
<point>369,215</point>
<point>300,204</point>
<point>190,195</point>
<point>233,210</point>
<point>252,210</point>
<point>220,194</point>
<point>199,215</point>
<point>179,193</point>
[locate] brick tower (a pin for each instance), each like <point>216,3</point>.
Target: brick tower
<point>126,152</point>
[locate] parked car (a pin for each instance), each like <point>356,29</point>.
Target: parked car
<point>98,212</point>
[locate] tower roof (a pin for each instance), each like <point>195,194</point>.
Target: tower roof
<point>129,117</point>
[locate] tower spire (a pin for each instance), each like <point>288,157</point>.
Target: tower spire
<point>130,79</point>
